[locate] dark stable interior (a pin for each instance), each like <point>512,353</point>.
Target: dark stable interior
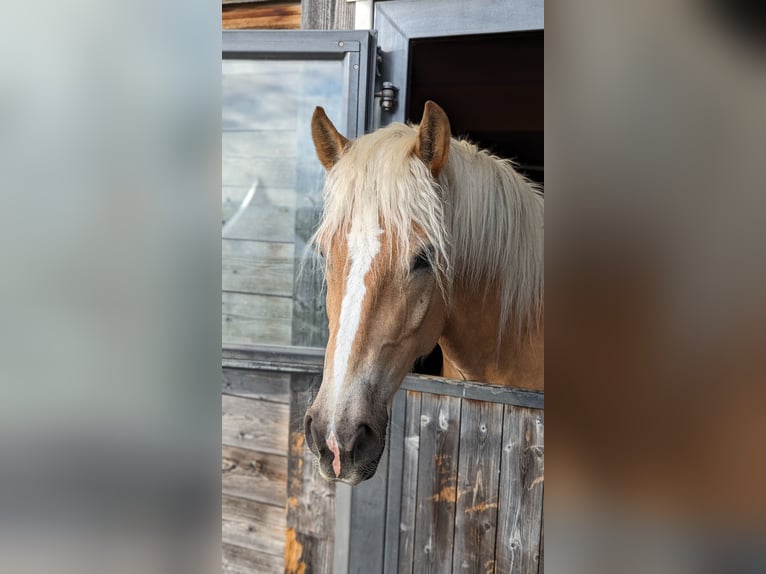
<point>491,87</point>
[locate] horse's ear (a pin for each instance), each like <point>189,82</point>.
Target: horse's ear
<point>432,145</point>
<point>327,141</point>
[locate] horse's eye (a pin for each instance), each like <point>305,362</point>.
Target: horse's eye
<point>422,260</point>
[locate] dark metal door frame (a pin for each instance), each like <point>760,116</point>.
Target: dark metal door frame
<point>399,21</point>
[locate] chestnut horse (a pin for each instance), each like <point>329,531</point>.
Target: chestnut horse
<point>426,239</point>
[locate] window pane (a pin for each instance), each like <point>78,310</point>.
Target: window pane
<point>271,197</point>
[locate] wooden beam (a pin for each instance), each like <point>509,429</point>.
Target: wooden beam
<point>310,360</point>
<point>254,425</point>
<point>254,475</point>
<point>520,503</point>
<point>327,15</point>
<point>253,525</point>
<point>310,531</point>
<point>261,16</point>
<point>437,486</point>
<point>225,2</point>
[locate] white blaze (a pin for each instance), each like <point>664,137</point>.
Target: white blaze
<point>363,246</point>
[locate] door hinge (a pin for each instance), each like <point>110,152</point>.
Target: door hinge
<point>388,97</point>
<point>388,91</point>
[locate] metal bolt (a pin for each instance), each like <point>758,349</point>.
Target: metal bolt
<point>340,43</point>
<point>387,96</point>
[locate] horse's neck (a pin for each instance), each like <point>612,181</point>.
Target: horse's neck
<point>470,350</point>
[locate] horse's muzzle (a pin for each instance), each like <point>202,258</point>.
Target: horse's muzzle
<point>345,456</point>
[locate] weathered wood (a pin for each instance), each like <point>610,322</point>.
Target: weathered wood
<point>269,16</point>
<point>437,483</point>
<point>327,15</point>
<point>257,267</point>
<point>255,318</point>
<point>254,525</point>
<point>368,521</point>
<point>239,560</point>
<point>254,475</point>
<point>311,499</point>
<point>284,359</point>
<point>481,426</point>
<point>541,569</point>
<point>407,519</point>
<point>521,491</point>
<point>447,515</point>
<point>254,425</point>
<point>310,360</point>
<point>397,427</point>
<point>273,387</point>
<point>226,2</point>
<point>475,391</point>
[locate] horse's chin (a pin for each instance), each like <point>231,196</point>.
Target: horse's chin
<point>353,477</point>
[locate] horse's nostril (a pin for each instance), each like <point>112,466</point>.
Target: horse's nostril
<point>365,445</point>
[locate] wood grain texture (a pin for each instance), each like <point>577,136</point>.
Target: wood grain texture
<point>310,499</point>
<point>481,425</point>
<point>273,387</point>
<point>437,483</point>
<point>239,560</point>
<point>366,545</point>
<point>253,525</point>
<point>407,520</point>
<point>254,425</point>
<point>521,491</point>
<point>257,267</point>
<point>254,475</point>
<point>255,319</point>
<point>226,2</point>
<point>327,15</point>
<point>238,15</point>
<point>541,570</point>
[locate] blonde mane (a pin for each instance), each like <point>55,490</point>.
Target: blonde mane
<point>482,218</point>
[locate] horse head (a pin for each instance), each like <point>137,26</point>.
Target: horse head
<point>383,240</point>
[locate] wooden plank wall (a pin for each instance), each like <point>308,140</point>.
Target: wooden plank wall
<point>327,15</point>
<point>310,532</point>
<point>255,417</point>
<point>288,14</point>
<point>261,15</point>
<point>461,492</point>
<point>472,487</point>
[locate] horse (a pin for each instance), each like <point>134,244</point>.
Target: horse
<point>426,239</point>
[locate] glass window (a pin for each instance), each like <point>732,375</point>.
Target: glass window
<point>271,197</point>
